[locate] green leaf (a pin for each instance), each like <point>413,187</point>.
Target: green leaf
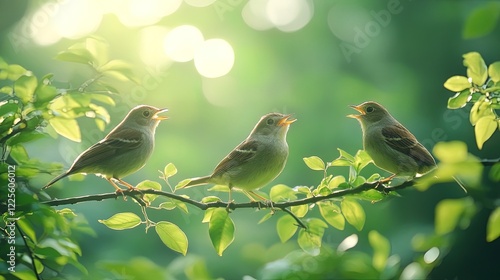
<point>371,195</point>
<point>98,47</point>
<point>172,236</point>
<point>122,221</point>
<point>332,214</point>
<point>381,249</point>
<point>44,93</point>
<point>25,137</point>
<point>286,227</point>
<point>119,69</point>
<point>451,152</point>
<point>282,192</point>
<point>459,100</point>
<point>9,108</point>
<point>485,127</point>
<point>221,230</point>
<point>300,210</point>
<point>457,83</point>
<point>346,155</point>
<point>494,71</point>
<point>66,127</point>
<point>208,215</point>
<point>310,239</point>
<point>493,226</point>
<point>480,109</point>
<point>336,181</point>
<point>314,162</point>
<point>13,72</point>
<point>452,212</point>
<point>495,172</point>
<point>24,88</point>
<point>170,170</point>
<point>103,98</point>
<point>146,185</point>
<point>476,68</point>
<point>340,162</point>
<point>353,213</point>
<point>27,229</point>
<point>266,217</point>
<point>100,112</point>
<point>76,54</point>
<point>481,21</point>
<point>361,160</point>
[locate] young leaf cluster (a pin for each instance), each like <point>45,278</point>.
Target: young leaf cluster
<point>481,87</point>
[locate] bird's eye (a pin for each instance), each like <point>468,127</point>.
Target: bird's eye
<point>146,114</point>
<point>369,109</point>
<point>270,121</point>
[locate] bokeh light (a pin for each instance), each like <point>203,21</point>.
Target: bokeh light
<point>214,58</point>
<point>181,43</point>
<point>143,12</point>
<point>151,49</point>
<point>254,14</point>
<point>431,255</point>
<point>348,243</point>
<point>289,15</point>
<point>77,18</point>
<point>285,15</point>
<point>67,19</point>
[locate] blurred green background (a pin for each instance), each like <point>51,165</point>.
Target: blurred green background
<point>308,58</point>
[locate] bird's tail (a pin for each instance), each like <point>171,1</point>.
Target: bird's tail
<point>198,181</point>
<point>55,180</point>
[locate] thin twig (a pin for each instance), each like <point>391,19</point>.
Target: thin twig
<point>297,219</point>
<point>232,206</point>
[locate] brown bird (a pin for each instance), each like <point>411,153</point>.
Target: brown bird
<point>255,162</point>
<point>123,151</point>
<point>391,146</point>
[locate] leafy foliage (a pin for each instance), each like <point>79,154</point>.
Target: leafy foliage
<point>482,92</point>
<point>48,239</point>
<point>32,108</point>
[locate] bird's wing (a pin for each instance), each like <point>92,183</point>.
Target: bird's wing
<point>241,154</point>
<point>116,143</point>
<point>400,139</point>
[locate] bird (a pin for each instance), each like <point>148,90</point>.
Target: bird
<point>391,146</point>
<point>256,161</point>
<point>123,151</point>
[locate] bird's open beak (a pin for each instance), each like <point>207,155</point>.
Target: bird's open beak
<point>359,109</point>
<point>286,121</point>
<point>160,118</point>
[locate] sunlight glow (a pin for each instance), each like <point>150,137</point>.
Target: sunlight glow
<point>254,14</point>
<point>69,19</point>
<point>181,43</point>
<point>199,3</point>
<point>77,18</point>
<point>214,58</point>
<point>151,49</point>
<point>143,12</point>
<point>285,15</point>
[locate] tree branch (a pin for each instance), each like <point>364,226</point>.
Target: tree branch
<point>219,204</point>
